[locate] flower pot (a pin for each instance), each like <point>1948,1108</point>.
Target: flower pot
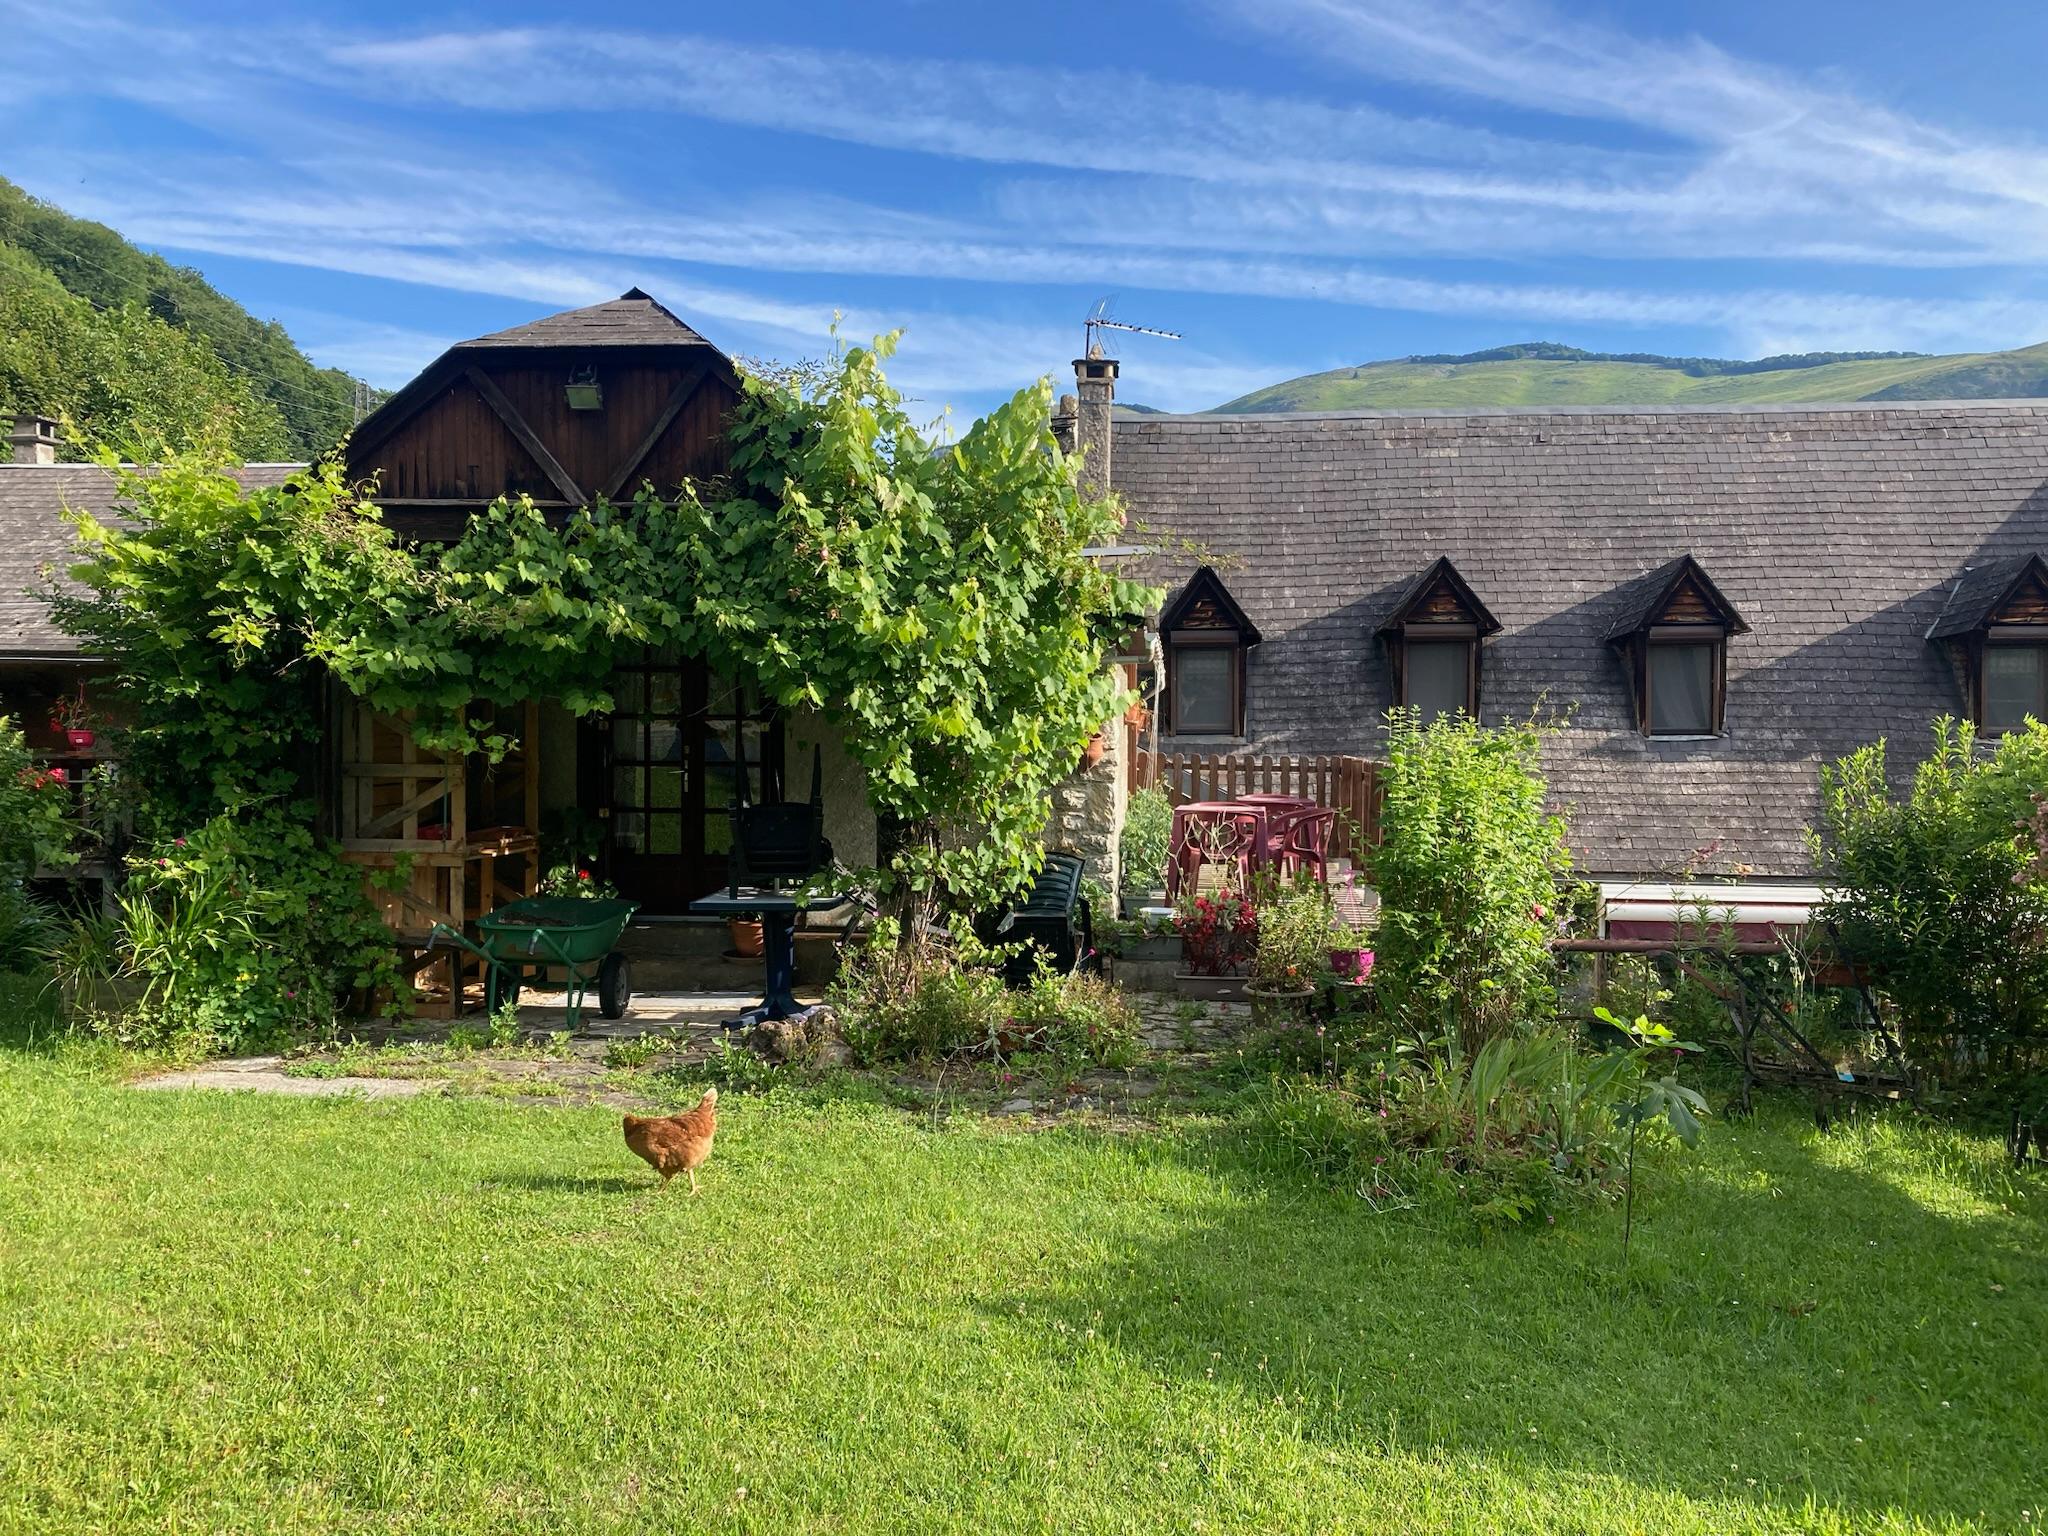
<point>78,740</point>
<point>1208,989</point>
<point>1095,751</point>
<point>746,935</point>
<point>1351,964</point>
<point>1279,1005</point>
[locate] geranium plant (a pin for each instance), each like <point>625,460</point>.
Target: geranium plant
<point>1217,933</point>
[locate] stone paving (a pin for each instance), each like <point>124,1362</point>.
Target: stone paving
<point>592,1066</point>
<point>265,1074</point>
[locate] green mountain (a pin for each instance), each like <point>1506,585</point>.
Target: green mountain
<point>129,346</point>
<point>1545,373</point>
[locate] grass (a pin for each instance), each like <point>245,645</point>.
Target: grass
<point>232,1313</point>
<point>1541,381</point>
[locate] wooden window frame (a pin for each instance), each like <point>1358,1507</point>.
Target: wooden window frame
<point>1205,640</point>
<point>2000,637</point>
<point>1714,636</point>
<point>1438,634</point>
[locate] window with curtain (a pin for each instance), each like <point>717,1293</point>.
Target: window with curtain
<point>1205,689</point>
<point>2015,685</point>
<point>1436,677</point>
<point>1682,694</point>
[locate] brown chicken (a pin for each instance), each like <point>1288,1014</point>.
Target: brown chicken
<point>676,1144</point>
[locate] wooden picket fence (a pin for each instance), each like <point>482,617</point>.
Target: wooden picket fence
<point>1350,786</point>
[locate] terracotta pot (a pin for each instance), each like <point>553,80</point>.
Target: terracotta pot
<point>1095,751</point>
<point>746,936</point>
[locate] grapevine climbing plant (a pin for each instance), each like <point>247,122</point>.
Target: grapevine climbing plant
<point>935,605</point>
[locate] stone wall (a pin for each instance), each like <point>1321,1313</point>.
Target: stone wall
<point>1088,813</point>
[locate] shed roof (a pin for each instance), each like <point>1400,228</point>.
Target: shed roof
<point>34,538</point>
<point>633,319</point>
<point>1838,532</point>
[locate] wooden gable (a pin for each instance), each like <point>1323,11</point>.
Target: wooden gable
<point>1440,596</point>
<point>493,417</point>
<point>1679,593</point>
<point>1206,604</point>
<point>1688,603</point>
<point>2027,602</point>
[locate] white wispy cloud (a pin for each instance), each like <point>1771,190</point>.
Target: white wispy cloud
<point>1108,179</point>
<point>1764,136</point>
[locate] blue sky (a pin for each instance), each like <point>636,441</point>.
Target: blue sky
<point>1292,184</point>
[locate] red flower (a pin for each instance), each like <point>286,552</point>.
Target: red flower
<point>582,874</point>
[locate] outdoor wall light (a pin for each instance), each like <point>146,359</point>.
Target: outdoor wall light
<point>584,394</point>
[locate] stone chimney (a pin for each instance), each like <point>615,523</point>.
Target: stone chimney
<point>1095,378</point>
<point>1065,412</point>
<point>34,440</point>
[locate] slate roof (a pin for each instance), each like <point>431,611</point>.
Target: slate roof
<point>1837,532</point>
<point>1978,593</point>
<point>34,535</point>
<point>633,319</point>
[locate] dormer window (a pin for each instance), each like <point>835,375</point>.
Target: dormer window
<point>1996,625</point>
<point>1433,638</point>
<point>1672,635</point>
<point>1205,635</point>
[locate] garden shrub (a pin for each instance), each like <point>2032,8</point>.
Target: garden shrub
<point>36,825</point>
<point>246,931</point>
<point>1077,1018</point>
<point>1146,840</point>
<point>1296,923</point>
<point>1217,933</point>
<point>1939,898</point>
<point>904,1001</point>
<point>1468,874</point>
<point>1526,1126</point>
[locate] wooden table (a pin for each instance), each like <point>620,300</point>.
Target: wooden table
<point>777,911</point>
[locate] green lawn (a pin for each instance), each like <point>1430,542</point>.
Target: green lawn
<point>239,1314</point>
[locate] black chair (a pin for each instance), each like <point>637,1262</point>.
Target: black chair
<point>782,841</point>
<point>1053,919</point>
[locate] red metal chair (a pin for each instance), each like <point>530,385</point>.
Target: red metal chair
<point>1301,840</point>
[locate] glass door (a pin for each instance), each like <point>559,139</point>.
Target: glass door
<point>676,739</point>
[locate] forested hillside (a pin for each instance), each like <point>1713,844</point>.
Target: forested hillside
<point>131,348</point>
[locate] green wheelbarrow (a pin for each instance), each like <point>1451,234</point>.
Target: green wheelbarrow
<point>522,939</point>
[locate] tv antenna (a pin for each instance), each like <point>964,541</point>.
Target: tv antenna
<point>1099,321</point>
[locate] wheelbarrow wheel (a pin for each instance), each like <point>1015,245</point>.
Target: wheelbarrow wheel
<point>501,990</point>
<point>614,986</point>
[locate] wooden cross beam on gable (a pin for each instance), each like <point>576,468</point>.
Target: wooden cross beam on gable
<point>686,386</point>
<point>516,424</point>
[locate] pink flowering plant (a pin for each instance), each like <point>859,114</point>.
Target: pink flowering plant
<point>1218,934</point>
